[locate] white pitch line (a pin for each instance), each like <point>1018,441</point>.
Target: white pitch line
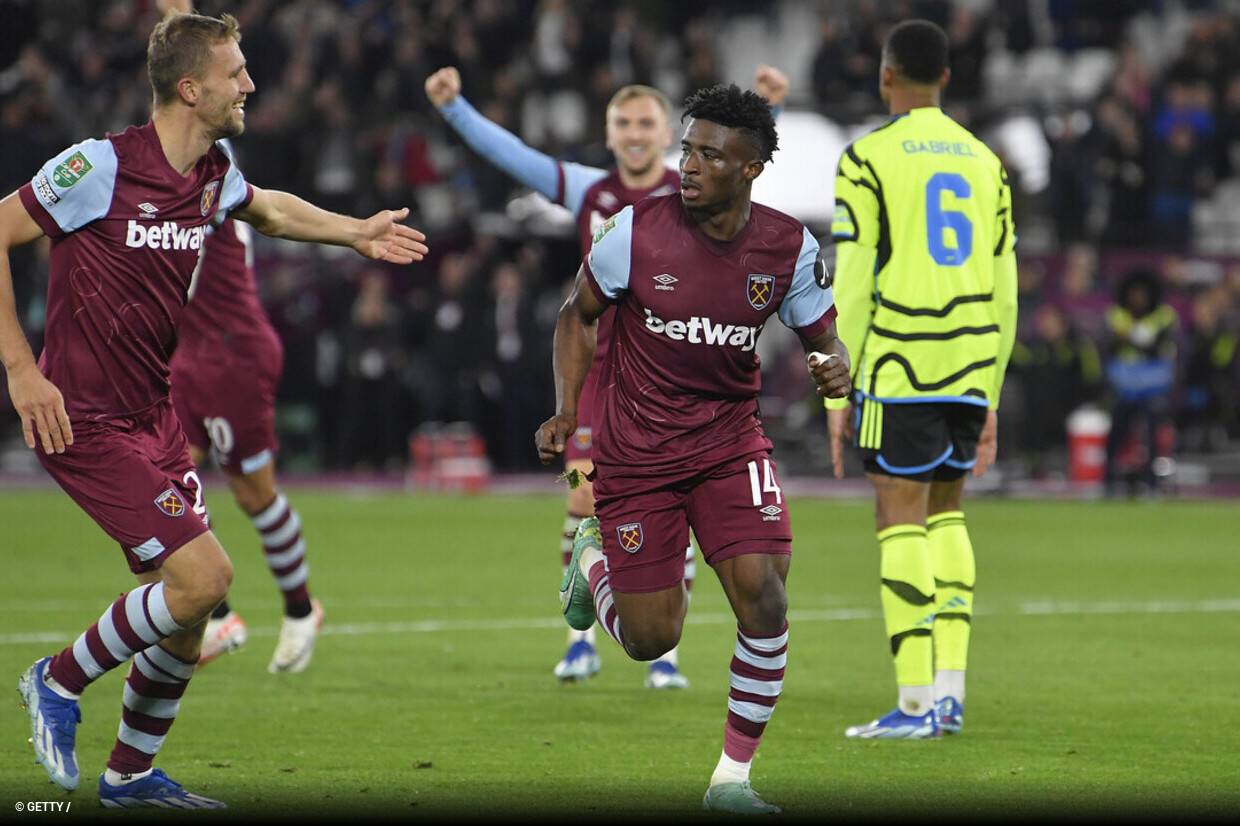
<point>1031,608</point>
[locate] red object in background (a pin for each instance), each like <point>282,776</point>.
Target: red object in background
<point>1087,445</point>
<point>449,458</point>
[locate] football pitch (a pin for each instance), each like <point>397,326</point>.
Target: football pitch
<point>1104,676</point>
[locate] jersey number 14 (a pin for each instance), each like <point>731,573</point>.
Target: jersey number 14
<point>939,220</point>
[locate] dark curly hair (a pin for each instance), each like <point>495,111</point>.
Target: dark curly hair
<point>746,111</point>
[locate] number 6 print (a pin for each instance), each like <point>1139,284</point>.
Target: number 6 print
<point>939,220</point>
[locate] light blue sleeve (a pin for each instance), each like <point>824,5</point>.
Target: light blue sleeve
<point>577,179</point>
<point>805,302</point>
<point>611,255</point>
<point>505,150</point>
<point>75,187</point>
<point>235,189</point>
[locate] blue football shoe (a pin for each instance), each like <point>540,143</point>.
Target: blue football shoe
<point>580,662</point>
<point>665,675</point>
<point>950,714</point>
<point>156,790</point>
<point>53,726</point>
<point>897,726</point>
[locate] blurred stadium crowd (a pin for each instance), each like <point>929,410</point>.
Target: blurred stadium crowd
<point>1119,123</point>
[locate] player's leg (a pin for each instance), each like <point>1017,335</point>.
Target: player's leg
<point>627,572</point>
<point>951,558</point>
<point>140,487</point>
<point>279,529</point>
<point>900,445</point>
<point>741,523</point>
<point>225,631</point>
<point>581,658</point>
<point>157,680</point>
<point>664,671</point>
<point>906,594</point>
<point>754,584</point>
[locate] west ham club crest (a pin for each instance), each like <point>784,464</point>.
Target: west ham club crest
<point>760,288</point>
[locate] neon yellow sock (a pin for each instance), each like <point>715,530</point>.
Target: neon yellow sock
<point>951,557</point>
<point>907,596</point>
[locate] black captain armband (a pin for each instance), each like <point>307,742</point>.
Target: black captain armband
<point>823,267</point>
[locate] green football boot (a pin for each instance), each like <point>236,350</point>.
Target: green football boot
<point>738,799</point>
<point>576,601</point>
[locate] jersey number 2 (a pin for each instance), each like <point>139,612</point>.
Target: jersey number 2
<point>939,220</point>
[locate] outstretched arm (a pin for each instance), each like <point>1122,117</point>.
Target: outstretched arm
<point>496,144</point>
<point>380,237</point>
<point>575,332</point>
<point>37,401</point>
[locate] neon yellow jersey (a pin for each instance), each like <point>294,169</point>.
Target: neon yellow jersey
<point>925,280</point>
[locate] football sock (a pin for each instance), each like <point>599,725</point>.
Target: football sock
<point>756,681</point>
<point>152,699</point>
<point>730,771</point>
<point>221,610</point>
<point>279,528</point>
<point>606,616</point>
<point>916,700</point>
<point>571,521</point>
<point>115,778</point>
<point>949,682</point>
<point>951,559</point>
<point>907,596</point>
<point>134,622</point>
<point>690,566</point>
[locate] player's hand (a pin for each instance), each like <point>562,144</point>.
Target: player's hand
<point>831,373</point>
<point>840,430</point>
<point>771,83</point>
<point>552,435</point>
<point>386,239</point>
<point>443,86</point>
<point>41,407</point>
<point>987,444</point>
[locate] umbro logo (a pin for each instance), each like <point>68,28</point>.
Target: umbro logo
<point>772,513</point>
<point>665,281</point>
<point>148,208</point>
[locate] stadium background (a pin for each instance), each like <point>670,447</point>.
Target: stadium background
<point>1119,123</point>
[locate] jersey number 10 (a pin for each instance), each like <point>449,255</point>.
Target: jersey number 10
<point>939,220</point>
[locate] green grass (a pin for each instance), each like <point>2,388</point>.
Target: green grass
<point>1105,677</point>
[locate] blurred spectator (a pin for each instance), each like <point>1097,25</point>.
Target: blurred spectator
<point>518,389</point>
<point>1228,143</point>
<point>1140,371</point>
<point>456,349</point>
<point>1208,414</point>
<point>1072,186</point>
<point>967,37</point>
<point>1120,166</point>
<point>374,421</point>
<point>1058,369</point>
<point>1183,160</point>
<point>831,88</point>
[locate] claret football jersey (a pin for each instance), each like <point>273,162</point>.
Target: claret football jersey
<point>126,232</point>
<point>679,387</point>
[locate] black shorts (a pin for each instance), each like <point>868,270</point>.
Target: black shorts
<point>923,441</point>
